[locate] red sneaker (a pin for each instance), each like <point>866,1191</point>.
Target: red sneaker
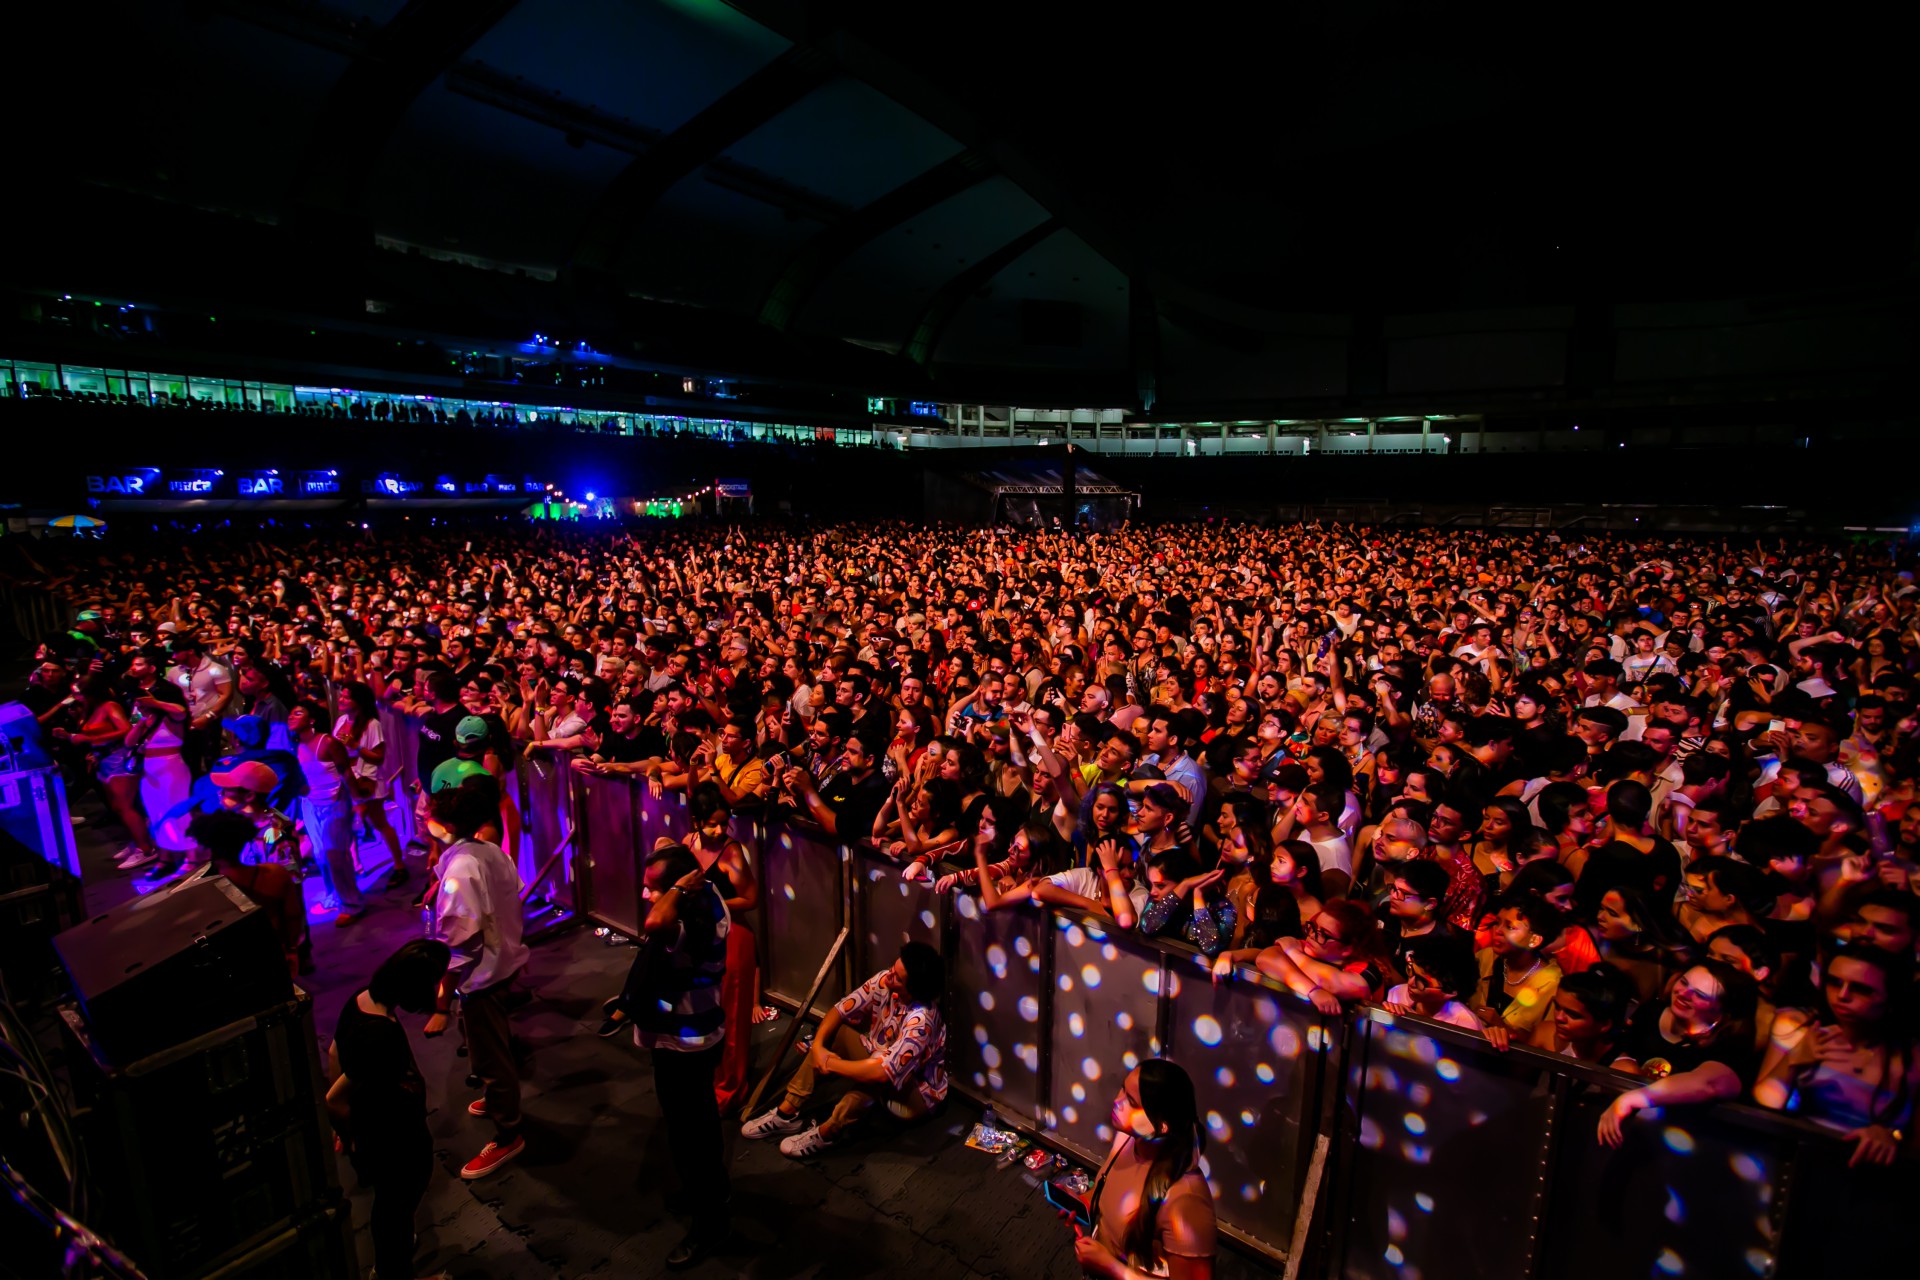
<point>478,1107</point>
<point>492,1157</point>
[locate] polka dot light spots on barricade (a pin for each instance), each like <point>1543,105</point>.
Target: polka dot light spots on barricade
<point>1394,1255</point>
<point>1090,1068</point>
<point>1104,1132</point>
<point>1123,1020</point>
<point>997,960</point>
<point>966,908</point>
<point>1263,1073</point>
<point>1066,982</point>
<point>1076,1025</point>
<point>1676,1211</point>
<point>1029,1009</point>
<point>1760,1262</point>
<point>1150,979</point>
<point>1415,1122</point>
<point>1678,1140</point>
<point>1129,1059</point>
<point>990,1055</point>
<point>926,918</point>
<point>1090,975</point>
<point>1419,1094</point>
<point>1021,947</point>
<point>1029,1054</point>
<point>1396,1225</point>
<point>986,1000</point>
<point>1284,1041</point>
<point>1415,1153</point>
<point>1424,1201</point>
<point>1070,1115</point>
<point>1447,1069</point>
<point>1109,953</point>
<point>1206,1029</point>
<point>979,1034</point>
<point>1216,1127</point>
<point>1370,1135</point>
<point>1076,936</point>
<point>1746,1167</point>
<point>1669,1263</point>
<point>1248,1120</point>
<point>1224,1077</point>
<point>1079,1092</point>
<point>787,890</point>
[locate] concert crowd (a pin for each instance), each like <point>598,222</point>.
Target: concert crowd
<point>1646,803</point>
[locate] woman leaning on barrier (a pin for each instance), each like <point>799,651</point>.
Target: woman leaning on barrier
<point>1697,1045</point>
<point>1854,1070</point>
<point>1152,1210</point>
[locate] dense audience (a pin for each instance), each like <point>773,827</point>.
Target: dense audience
<point>1642,803</point>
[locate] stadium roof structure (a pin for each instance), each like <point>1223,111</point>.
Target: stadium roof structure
<point>1364,202</point>
<point>1040,478</point>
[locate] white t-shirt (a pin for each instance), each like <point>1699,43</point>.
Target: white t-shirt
<point>1452,1011</point>
<point>1335,855</point>
<point>1089,883</point>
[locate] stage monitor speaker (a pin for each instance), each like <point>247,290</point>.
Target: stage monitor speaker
<point>181,962</point>
<point>209,1149</point>
<point>33,810</point>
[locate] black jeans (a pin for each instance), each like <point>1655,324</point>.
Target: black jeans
<point>398,1172</point>
<point>490,1055</point>
<point>684,1084</point>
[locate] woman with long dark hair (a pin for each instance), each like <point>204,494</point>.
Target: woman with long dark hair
<point>378,1099</point>
<point>725,860</point>
<point>1152,1208</point>
<point>1853,1070</point>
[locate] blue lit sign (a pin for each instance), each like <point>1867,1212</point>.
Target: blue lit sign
<point>318,483</point>
<point>259,484</point>
<point>391,485</point>
<point>923,409</point>
<point>134,482</point>
<point>194,483</point>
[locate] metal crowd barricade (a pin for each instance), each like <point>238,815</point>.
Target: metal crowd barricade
<point>1359,1146</point>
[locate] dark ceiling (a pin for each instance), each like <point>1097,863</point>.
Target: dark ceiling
<point>1228,204</point>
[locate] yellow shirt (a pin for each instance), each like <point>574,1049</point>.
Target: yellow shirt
<point>1528,1001</point>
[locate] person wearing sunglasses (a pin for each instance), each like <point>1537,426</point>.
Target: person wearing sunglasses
<point>1695,1046</point>
<point>1152,1209</point>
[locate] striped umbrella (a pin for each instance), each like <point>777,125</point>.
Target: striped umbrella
<point>76,522</point>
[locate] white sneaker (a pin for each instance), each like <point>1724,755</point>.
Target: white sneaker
<point>133,858</point>
<point>802,1145</point>
<point>772,1122</point>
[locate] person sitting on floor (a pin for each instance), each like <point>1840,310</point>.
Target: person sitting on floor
<point>898,1059</point>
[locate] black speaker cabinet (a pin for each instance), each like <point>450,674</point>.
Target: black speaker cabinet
<point>209,1148</point>
<point>178,963</point>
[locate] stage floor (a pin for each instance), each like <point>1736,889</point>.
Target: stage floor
<point>587,1198</point>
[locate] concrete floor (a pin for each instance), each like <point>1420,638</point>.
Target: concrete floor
<point>588,1197</point>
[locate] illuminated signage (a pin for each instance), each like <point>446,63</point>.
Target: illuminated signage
<point>196,483</point>
<point>259,484</point>
<point>733,488</point>
<point>134,482</point>
<point>923,409</point>
<point>314,484</point>
<point>388,484</point>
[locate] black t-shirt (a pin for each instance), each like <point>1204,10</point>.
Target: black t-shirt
<point>389,1098</point>
<point>618,750</point>
<point>855,804</point>
<point>1654,875</point>
<point>436,738</point>
<point>1646,1046</point>
<point>1396,942</point>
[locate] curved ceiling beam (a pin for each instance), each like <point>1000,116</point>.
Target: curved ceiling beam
<point>367,103</point>
<point>817,259</point>
<point>948,299</point>
<point>638,187</point>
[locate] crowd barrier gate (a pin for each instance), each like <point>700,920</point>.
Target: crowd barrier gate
<point>1441,1158</point>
